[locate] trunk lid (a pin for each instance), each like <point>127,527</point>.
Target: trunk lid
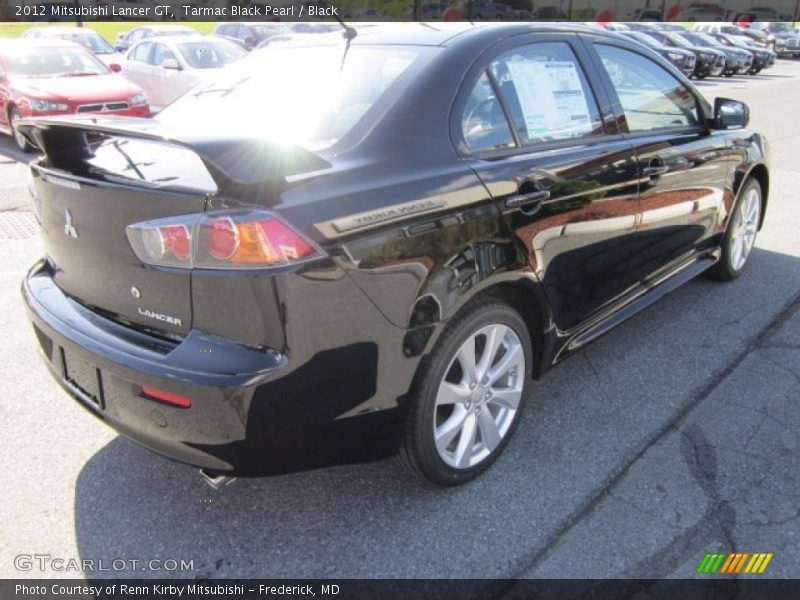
<point>83,230</point>
<point>100,175</point>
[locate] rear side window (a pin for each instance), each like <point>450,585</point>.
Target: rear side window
<point>546,93</point>
<point>141,53</point>
<point>651,97</point>
<point>162,53</point>
<point>484,125</point>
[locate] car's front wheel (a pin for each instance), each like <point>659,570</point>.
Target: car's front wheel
<point>469,396</point>
<point>740,236</point>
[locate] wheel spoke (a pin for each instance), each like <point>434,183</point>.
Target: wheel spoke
<point>448,430</point>
<point>494,339</point>
<point>466,442</point>
<point>736,252</point>
<point>451,393</point>
<point>511,358</point>
<point>466,358</point>
<point>506,398</point>
<point>752,208</point>
<point>489,433</point>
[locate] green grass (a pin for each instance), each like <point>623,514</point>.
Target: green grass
<point>108,30</point>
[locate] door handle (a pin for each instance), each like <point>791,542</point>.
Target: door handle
<point>518,200</point>
<point>655,170</point>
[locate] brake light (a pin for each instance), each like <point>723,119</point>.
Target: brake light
<point>235,240</point>
<point>263,242</point>
<point>166,397</point>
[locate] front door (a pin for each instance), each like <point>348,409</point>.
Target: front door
<point>681,162</point>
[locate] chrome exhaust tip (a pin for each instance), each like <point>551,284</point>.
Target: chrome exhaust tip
<point>216,481</point>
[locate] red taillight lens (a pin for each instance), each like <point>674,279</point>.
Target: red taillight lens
<point>166,397</point>
<point>177,240</point>
<point>237,240</point>
<point>223,239</point>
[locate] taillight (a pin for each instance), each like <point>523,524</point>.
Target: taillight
<point>231,240</point>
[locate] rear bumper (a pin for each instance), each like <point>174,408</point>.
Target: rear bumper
<point>249,413</point>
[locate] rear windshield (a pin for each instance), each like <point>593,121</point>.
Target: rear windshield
<point>47,62</point>
<point>182,31</point>
<point>309,96</point>
<point>210,54</point>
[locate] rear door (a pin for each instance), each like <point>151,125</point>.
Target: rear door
<point>170,83</point>
<point>682,163</point>
<point>532,126</point>
<point>137,67</point>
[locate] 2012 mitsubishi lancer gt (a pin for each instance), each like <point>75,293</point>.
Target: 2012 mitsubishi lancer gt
<point>342,251</point>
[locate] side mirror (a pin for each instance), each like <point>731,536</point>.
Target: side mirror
<point>171,63</point>
<point>730,114</point>
<point>115,67</point>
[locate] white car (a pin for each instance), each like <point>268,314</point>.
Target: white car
<point>88,38</point>
<point>167,67</point>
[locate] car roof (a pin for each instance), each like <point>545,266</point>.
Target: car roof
<point>176,40</point>
<point>165,27</point>
<point>444,34</point>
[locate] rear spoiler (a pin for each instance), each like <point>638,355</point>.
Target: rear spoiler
<point>239,166</point>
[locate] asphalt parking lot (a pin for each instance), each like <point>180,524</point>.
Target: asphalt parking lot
<point>673,436</point>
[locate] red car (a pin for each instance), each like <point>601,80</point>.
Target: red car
<point>53,77</point>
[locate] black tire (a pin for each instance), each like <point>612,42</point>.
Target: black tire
<point>419,452</point>
<point>19,141</point>
<point>725,269</point>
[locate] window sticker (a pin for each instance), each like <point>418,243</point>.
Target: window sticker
<point>551,97</point>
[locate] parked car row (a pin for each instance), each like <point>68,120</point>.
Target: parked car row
<point>706,50</point>
<point>58,70</point>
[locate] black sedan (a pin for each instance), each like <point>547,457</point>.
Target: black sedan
<point>382,254</point>
<point>684,60</point>
<point>763,57</point>
<point>738,59</point>
<point>710,61</point>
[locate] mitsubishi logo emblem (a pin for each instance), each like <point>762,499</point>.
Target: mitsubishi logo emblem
<point>69,228</point>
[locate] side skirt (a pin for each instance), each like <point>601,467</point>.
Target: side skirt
<point>650,291</point>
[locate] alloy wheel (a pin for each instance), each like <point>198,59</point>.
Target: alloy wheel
<point>479,396</point>
<point>744,228</point>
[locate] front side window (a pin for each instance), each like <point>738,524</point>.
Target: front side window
<point>484,125</point>
<point>546,93</point>
<point>650,96</point>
